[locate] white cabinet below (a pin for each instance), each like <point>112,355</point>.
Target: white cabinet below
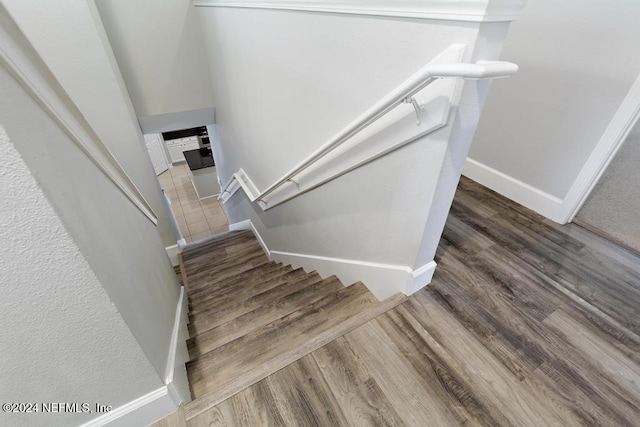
<point>177,146</point>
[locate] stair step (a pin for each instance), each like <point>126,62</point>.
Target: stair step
<point>237,288</point>
<point>210,318</point>
<point>207,270</point>
<point>207,283</point>
<point>229,369</point>
<point>293,296</point>
<point>269,341</point>
<point>251,317</point>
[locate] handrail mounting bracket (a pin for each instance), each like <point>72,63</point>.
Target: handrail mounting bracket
<point>419,108</point>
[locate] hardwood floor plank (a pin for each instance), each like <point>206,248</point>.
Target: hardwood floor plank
<point>415,401</point>
<point>619,370</point>
<point>609,289</point>
<point>617,257</point>
<point>481,206</point>
<point>174,420</point>
<point>619,336</point>
<point>254,406</point>
<point>362,400</point>
<point>463,237</point>
<point>302,396</point>
<point>519,404</point>
<point>505,331</point>
<point>437,367</point>
<point>564,390</point>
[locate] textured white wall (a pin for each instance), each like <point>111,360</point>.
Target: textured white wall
<point>122,246</point>
<point>62,339</point>
<point>160,53</point>
<point>69,36</point>
<point>577,62</point>
<point>285,82</point>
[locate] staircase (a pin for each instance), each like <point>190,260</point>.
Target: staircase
<point>250,317</point>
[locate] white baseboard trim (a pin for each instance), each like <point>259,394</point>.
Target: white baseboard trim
<point>165,400</point>
<point>530,197</point>
<point>176,373</point>
<point>383,280</point>
<point>141,411</point>
<point>172,252</point>
<point>421,277</point>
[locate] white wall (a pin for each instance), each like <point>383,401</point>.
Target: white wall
<point>160,53</point>
<point>577,62</point>
<point>285,82</point>
<point>62,338</point>
<point>70,38</point>
<point>124,248</point>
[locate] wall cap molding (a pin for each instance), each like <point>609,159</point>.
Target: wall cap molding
<point>450,10</point>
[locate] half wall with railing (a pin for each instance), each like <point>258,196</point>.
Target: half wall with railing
<point>366,201</point>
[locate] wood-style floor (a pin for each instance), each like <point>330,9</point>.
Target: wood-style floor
<point>525,323</point>
<point>250,317</point>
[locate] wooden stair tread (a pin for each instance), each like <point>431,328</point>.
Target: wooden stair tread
<point>234,291</point>
<point>289,331</point>
<point>210,285</point>
<point>293,295</point>
<point>208,319</point>
<point>251,317</point>
<point>226,357</point>
<point>301,337</point>
<point>201,273</point>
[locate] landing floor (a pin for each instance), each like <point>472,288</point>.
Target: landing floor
<point>197,219</point>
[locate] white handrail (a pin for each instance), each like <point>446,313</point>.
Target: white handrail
<point>403,93</point>
<point>20,59</point>
<point>427,75</point>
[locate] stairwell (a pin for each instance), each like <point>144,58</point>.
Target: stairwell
<point>250,317</point>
